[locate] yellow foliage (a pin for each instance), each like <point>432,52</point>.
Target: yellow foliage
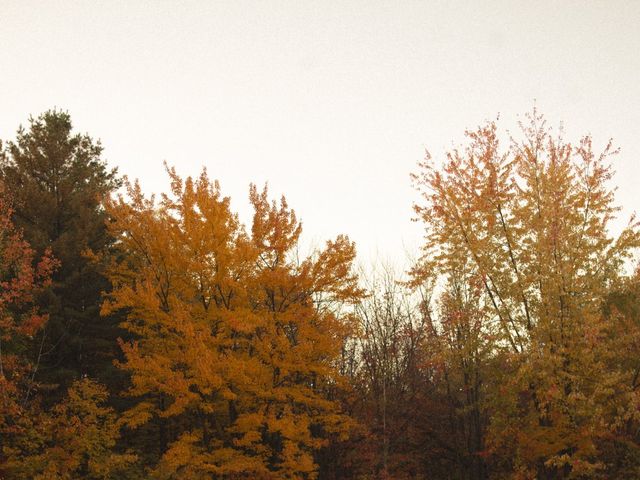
<point>528,223</point>
<point>237,338</point>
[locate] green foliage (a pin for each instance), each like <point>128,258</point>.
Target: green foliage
<point>57,182</point>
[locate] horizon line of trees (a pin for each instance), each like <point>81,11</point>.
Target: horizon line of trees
<point>160,338</point>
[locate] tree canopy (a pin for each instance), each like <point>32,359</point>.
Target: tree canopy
<point>157,336</point>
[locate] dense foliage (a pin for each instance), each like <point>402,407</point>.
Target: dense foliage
<point>158,337</point>
<point>57,181</point>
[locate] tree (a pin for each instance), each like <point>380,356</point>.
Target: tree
<point>420,381</point>
<point>20,320</point>
<point>390,380</point>
<point>74,440</point>
<point>235,357</point>
<point>57,182</point>
<point>459,348</point>
<point>530,225</point>
<point>621,447</point>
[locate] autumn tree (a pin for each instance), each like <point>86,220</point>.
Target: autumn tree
<point>458,355</point>
<point>76,437</point>
<point>57,180</point>
<point>20,320</point>
<point>621,446</point>
<point>73,440</point>
<point>420,380</point>
<point>529,223</point>
<point>237,338</point>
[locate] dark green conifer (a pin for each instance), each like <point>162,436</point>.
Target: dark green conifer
<point>57,180</point>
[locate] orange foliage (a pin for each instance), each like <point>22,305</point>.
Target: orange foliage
<point>237,337</point>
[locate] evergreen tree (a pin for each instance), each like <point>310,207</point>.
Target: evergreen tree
<point>57,181</point>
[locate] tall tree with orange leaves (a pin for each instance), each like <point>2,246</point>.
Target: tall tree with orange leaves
<point>237,339</point>
<point>529,223</point>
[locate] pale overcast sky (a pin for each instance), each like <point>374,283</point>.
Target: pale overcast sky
<point>332,103</point>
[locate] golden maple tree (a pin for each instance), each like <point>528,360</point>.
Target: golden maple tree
<point>236,337</point>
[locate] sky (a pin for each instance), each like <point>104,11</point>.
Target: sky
<point>332,103</point>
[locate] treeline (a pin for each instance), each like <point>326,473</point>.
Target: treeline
<point>160,338</point>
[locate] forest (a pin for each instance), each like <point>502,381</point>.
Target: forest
<point>158,337</point>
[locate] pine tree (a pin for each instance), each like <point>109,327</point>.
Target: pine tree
<point>57,181</point>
